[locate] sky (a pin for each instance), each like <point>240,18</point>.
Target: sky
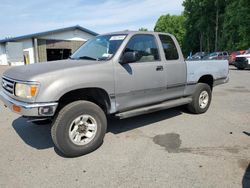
<point>19,17</point>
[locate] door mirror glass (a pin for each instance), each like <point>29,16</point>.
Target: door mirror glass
<point>130,57</point>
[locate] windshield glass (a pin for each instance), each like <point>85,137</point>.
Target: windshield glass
<point>99,48</point>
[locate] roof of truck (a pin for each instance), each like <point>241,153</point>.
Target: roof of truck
<point>134,32</point>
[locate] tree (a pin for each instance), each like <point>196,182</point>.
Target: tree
<point>143,29</point>
<point>231,38</point>
<point>210,25</point>
<point>173,25</point>
<point>244,26</point>
<point>236,26</point>
<point>204,21</point>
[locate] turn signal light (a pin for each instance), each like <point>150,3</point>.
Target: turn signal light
<point>16,108</point>
<point>33,90</point>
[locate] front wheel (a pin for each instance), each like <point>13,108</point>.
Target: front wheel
<point>201,99</point>
<point>79,128</point>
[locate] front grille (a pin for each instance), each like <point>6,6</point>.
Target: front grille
<point>8,85</point>
<point>241,59</point>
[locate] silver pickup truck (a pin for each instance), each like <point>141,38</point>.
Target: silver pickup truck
<point>122,74</point>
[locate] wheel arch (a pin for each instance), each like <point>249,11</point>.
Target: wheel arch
<point>98,96</point>
<point>207,79</point>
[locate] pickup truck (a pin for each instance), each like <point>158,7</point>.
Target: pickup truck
<point>121,74</point>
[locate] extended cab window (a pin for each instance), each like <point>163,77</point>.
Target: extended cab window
<point>145,46</point>
<point>169,47</point>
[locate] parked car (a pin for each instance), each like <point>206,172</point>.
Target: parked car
<point>233,55</point>
<point>198,56</point>
<point>120,74</point>
<point>218,56</point>
<point>247,51</point>
<point>243,61</point>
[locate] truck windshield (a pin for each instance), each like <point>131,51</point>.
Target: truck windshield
<point>99,48</point>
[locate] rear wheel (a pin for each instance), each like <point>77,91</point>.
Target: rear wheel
<point>201,99</point>
<point>241,65</point>
<point>79,128</point>
<point>240,68</point>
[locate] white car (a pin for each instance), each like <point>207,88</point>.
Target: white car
<point>243,61</point>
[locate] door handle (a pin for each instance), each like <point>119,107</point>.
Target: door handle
<point>159,68</point>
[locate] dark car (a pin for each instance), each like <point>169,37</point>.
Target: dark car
<point>243,61</point>
<point>233,55</point>
<point>217,56</point>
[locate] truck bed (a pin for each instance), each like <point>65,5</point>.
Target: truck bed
<point>217,68</point>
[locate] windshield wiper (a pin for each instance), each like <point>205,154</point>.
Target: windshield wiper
<point>102,58</point>
<point>87,57</point>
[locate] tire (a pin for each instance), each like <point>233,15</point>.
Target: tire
<point>242,65</point>
<point>240,68</point>
<point>69,121</point>
<point>197,107</point>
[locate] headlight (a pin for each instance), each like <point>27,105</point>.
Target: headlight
<point>27,91</point>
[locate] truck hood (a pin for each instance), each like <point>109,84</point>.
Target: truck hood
<point>33,71</point>
<point>244,55</point>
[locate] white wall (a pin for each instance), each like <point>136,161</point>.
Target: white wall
<point>28,46</point>
<point>3,57</point>
<point>14,51</point>
<point>69,35</point>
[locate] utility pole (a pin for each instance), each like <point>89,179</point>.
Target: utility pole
<point>216,26</point>
<point>201,42</point>
<point>35,50</point>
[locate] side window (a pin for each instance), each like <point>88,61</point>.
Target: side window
<point>169,47</point>
<point>145,46</point>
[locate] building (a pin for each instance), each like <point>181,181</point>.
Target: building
<point>45,46</point>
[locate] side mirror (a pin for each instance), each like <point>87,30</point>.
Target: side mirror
<point>130,57</point>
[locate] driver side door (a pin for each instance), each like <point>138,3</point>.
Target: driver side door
<point>141,82</point>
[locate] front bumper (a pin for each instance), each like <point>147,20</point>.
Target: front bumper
<point>29,109</point>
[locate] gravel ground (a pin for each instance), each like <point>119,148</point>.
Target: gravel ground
<point>171,148</point>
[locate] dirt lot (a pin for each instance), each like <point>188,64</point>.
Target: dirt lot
<point>171,148</point>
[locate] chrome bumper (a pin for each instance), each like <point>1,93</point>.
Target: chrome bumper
<point>29,109</point>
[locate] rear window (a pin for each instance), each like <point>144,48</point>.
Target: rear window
<point>213,54</point>
<point>169,47</point>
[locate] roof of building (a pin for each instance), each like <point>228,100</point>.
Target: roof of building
<point>13,39</point>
